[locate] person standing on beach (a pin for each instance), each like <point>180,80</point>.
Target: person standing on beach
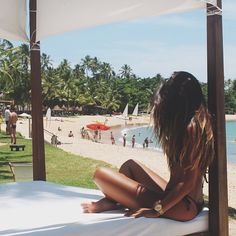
<point>82,132</point>
<point>12,123</point>
<point>112,139</point>
<point>146,142</point>
<point>95,137</point>
<point>183,127</point>
<point>7,115</point>
<point>99,135</point>
<point>124,140</point>
<point>133,141</point>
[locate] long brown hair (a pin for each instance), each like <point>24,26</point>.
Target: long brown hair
<point>182,123</point>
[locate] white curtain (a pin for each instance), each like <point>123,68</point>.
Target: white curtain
<point>13,20</point>
<point>58,16</point>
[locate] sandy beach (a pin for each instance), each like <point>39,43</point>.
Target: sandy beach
<point>116,154</point>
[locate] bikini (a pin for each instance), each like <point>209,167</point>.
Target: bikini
<point>188,200</point>
<point>13,126</point>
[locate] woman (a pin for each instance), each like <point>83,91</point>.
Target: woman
<point>182,125</point>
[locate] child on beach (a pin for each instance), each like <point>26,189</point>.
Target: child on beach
<point>70,134</point>
<point>182,125</point>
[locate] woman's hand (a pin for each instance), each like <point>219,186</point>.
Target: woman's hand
<point>143,212</point>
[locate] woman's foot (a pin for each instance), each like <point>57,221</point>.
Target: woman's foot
<point>102,205</point>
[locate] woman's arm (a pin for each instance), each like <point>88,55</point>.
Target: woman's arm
<point>188,174</point>
<point>175,195</point>
<point>181,189</point>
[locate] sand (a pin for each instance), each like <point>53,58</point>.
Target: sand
<point>117,154</point>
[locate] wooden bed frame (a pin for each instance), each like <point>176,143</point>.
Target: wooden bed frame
<point>218,217</point>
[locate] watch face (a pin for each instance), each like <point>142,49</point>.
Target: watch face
<point>157,207</point>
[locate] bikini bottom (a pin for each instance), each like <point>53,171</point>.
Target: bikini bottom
<point>188,200</point>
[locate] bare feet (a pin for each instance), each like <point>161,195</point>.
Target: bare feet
<point>102,205</point>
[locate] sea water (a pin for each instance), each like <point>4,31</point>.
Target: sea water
<point>143,132</point>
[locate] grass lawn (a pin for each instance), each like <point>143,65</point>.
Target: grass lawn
<point>61,167</point>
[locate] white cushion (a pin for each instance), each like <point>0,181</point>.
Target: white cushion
<point>43,208</point>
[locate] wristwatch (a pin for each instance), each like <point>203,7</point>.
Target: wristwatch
<point>157,206</point>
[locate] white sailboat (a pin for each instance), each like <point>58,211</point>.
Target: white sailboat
<point>135,111</point>
<point>48,117</point>
<point>124,115</point>
<point>125,112</point>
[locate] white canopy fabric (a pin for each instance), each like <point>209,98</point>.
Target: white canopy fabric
<point>13,20</point>
<point>59,16</point>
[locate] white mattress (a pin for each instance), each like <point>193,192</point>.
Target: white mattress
<point>44,208</point>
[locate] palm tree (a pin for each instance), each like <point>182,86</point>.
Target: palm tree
<point>51,86</point>
<point>46,62</point>
<point>64,70</point>
<point>14,69</point>
<point>106,71</point>
<point>5,77</point>
<point>86,64</point>
<point>126,71</point>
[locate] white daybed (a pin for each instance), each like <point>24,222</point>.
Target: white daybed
<point>44,208</point>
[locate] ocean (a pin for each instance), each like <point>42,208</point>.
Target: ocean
<point>146,131</point>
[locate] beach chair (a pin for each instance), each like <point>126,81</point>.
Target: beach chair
<point>21,171</point>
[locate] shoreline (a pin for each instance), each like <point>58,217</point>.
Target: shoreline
<point>230,117</point>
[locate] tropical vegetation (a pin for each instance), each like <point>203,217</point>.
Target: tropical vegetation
<point>90,83</point>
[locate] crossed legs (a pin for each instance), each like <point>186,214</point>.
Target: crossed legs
<point>134,186</point>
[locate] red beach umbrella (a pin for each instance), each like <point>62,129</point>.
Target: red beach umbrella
<point>98,126</point>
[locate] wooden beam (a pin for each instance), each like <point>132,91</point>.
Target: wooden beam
<point>218,197</point>
<point>36,100</point>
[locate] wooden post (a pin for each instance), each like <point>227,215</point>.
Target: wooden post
<point>218,197</point>
<point>36,100</point>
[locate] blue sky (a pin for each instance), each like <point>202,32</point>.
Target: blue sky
<point>152,45</point>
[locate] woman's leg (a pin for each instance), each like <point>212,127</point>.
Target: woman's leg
<point>14,135</point>
<point>101,205</point>
<point>127,188</point>
<point>143,175</point>
<point>117,188</point>
<point>11,134</point>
